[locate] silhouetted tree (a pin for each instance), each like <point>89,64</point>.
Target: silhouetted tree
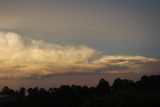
<point>30,91</point>
<point>7,91</point>
<point>22,92</point>
<point>124,93</point>
<point>120,84</point>
<point>103,86</point>
<point>149,82</point>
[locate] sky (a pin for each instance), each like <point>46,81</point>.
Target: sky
<point>53,42</point>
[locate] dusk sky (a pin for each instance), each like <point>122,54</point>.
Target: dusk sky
<point>53,42</point>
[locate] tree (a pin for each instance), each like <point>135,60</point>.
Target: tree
<point>22,92</point>
<point>103,86</point>
<point>120,84</point>
<point>7,91</point>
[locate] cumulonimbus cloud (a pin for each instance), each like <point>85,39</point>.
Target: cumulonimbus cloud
<point>21,58</point>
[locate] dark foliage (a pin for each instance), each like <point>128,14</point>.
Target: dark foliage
<point>123,93</point>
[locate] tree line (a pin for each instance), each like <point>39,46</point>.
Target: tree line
<point>122,93</point>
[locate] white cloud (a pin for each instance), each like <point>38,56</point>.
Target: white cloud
<point>20,58</point>
<point>14,48</point>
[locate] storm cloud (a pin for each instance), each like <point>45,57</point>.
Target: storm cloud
<point>24,58</point>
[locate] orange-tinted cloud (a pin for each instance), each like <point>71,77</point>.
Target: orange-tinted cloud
<point>21,58</point>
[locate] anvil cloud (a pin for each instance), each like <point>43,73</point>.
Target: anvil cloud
<point>24,58</point>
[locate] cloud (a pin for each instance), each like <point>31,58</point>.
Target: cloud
<point>22,58</point>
